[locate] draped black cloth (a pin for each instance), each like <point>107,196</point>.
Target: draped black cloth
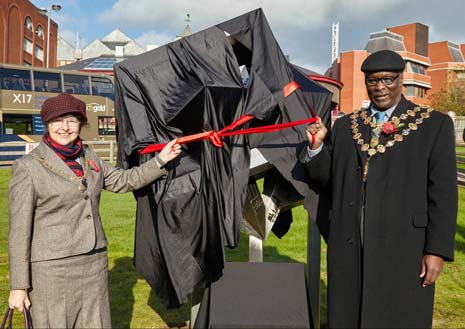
<point>190,86</point>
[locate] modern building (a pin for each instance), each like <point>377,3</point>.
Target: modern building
<point>427,65</point>
<point>447,64</point>
<point>24,33</point>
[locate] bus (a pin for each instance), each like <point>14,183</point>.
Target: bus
<point>23,89</point>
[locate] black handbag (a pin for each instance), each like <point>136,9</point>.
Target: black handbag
<point>8,318</point>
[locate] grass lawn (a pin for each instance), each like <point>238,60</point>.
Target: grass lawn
<point>134,305</point>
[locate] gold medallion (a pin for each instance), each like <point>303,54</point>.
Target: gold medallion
<point>357,136</point>
<point>381,148</point>
<point>374,146</point>
<point>377,130</point>
<point>398,138</point>
<point>371,152</point>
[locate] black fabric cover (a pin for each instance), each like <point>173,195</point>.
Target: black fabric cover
<point>190,86</point>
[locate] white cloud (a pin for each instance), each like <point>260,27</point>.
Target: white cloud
<point>152,37</point>
<point>305,14</point>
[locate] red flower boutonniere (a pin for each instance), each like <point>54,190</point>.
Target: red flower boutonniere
<point>93,166</point>
<point>390,128</point>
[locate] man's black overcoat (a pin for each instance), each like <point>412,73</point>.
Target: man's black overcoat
<point>410,210</point>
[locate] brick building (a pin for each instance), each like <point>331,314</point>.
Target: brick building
<point>23,34</point>
<point>427,67</point>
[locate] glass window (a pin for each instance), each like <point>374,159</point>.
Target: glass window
<point>19,124</point>
<point>14,79</point>
<point>39,53</point>
<point>460,75</point>
<point>47,82</point>
<point>28,23</point>
<point>410,91</point>
<point>416,68</point>
<point>39,31</point>
<point>416,91</point>
<point>76,84</point>
<point>102,87</point>
<point>106,125</point>
<point>27,45</point>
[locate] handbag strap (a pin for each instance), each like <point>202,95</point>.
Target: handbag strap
<point>8,317</point>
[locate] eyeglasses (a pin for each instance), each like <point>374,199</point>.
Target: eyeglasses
<point>60,123</point>
<point>387,81</point>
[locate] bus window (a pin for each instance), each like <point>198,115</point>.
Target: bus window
<point>47,81</point>
<point>14,79</point>
<point>102,87</point>
<point>76,84</point>
<point>106,126</point>
<point>18,124</point>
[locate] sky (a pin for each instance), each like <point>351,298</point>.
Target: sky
<point>303,28</point>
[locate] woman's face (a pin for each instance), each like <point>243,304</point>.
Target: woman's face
<point>65,129</point>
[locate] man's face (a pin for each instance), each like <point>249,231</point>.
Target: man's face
<point>384,88</point>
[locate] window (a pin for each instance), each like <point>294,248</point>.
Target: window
<point>39,53</point>
<point>47,82</point>
<point>106,126</point>
<point>102,87</point>
<point>460,75</point>
<point>416,68</point>
<point>27,46</point>
<point>102,63</point>
<point>415,91</point>
<point>39,32</point>
<point>28,23</point>
<point>13,79</point>
<point>76,84</point>
<point>19,124</point>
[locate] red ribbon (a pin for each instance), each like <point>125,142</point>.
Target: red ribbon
<point>215,137</point>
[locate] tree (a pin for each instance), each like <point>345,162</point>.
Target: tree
<point>451,97</point>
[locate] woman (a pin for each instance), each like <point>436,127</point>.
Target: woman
<point>57,247</point>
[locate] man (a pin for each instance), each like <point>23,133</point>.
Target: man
<point>388,203</point>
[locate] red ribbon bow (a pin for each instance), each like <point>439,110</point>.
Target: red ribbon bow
<point>216,137</point>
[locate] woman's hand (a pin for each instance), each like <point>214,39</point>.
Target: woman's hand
<point>170,151</point>
<point>319,131</point>
<point>18,298</point>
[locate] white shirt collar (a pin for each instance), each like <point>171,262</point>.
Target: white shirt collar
<point>388,112</point>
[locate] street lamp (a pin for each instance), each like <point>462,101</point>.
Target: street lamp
<point>55,7</point>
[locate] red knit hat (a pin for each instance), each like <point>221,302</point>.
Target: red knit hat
<point>63,104</point>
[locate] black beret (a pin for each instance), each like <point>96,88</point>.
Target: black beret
<point>384,60</point>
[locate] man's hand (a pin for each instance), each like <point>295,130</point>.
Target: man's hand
<point>431,268</point>
<point>319,131</point>
<point>18,298</point>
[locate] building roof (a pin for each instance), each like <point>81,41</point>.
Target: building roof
<point>385,40</point>
<point>65,50</point>
<point>116,43</point>
<point>97,64</point>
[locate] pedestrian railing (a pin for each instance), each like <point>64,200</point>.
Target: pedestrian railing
<point>10,151</point>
